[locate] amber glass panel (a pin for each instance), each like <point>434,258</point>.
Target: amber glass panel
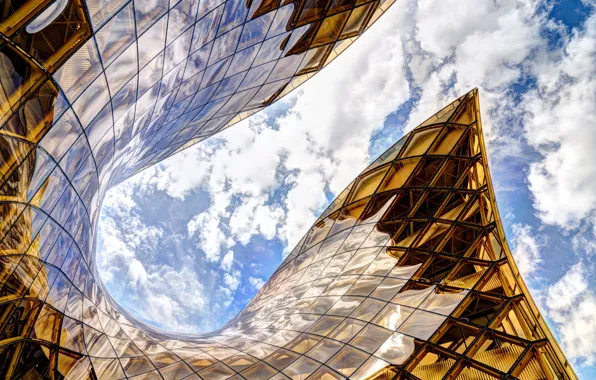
<point>357,20</point>
<point>311,10</point>
<point>314,59</point>
<point>367,184</point>
<point>433,364</point>
<point>347,360</point>
<point>330,29</point>
<point>398,174</point>
<point>447,139</point>
<point>420,142</point>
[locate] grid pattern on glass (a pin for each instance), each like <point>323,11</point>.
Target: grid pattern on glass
<point>406,274</point>
<point>146,79</point>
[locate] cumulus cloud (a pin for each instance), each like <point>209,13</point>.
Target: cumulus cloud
<point>227,261</point>
<point>256,282</point>
<point>537,82</point>
<point>527,248</point>
<point>268,176</point>
<point>157,283</point>
<point>560,121</point>
<point>211,238</point>
<point>571,303</point>
<point>232,280</point>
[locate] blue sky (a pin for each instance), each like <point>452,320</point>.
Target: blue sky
<point>184,245</point>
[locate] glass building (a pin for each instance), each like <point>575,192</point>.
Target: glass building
<point>406,275</point>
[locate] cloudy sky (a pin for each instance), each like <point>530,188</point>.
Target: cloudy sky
<point>186,244</point>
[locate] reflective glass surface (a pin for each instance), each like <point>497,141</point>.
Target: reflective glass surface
<point>407,273</point>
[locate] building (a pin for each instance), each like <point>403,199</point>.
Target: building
<point>406,275</point>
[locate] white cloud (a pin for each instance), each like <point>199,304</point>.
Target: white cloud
<point>232,280</point>
<point>132,265</point>
<point>458,45</point>
<point>267,176</point>
<point>527,247</point>
<point>211,238</point>
<point>137,273</point>
<point>571,304</point>
<point>560,122</point>
<point>256,282</point>
<point>227,261</point>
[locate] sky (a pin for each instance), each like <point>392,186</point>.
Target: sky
<point>185,244</point>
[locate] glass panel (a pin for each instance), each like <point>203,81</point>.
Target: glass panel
<point>357,20</point>
<point>301,368</point>
<point>398,174</point>
<point>396,349</point>
<point>62,135</point>
<point>330,29</point>
<point>137,365</point>
<point>79,71</point>
<point>420,142</point>
<point>181,17</point>
<point>422,324</point>
<point>123,69</point>
<point>347,360</point>
<point>259,371</point>
<point>92,101</point>
<point>366,184</point>
<point>116,35</point>
<point>370,338</point>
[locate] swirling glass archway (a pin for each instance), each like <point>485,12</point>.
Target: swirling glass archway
<point>406,274</point>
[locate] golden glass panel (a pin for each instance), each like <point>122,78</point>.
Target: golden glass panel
<point>392,316</point>
<point>106,369</point>
<point>373,368</point>
<point>349,215</point>
<point>368,309</point>
<point>396,349</point>
<point>370,338</point>
<point>324,325</point>
<point>314,59</point>
<point>324,350</point>
<point>367,184</point>
<point>443,115</point>
<point>398,174</point>
<point>281,358</point>
<point>136,365</point>
<point>347,330</point>
<point>347,360</point>
<point>447,139</point>
<point>325,373</point>
<point>330,28</point>
<point>433,364</point>
<point>301,368</point>
<point>175,371</point>
<point>420,142</point>
<point>357,20</point>
<point>303,343</point>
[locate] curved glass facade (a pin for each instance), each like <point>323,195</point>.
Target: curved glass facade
<point>406,275</point>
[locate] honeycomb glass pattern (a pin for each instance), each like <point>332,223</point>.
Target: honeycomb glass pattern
<point>407,274</point>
